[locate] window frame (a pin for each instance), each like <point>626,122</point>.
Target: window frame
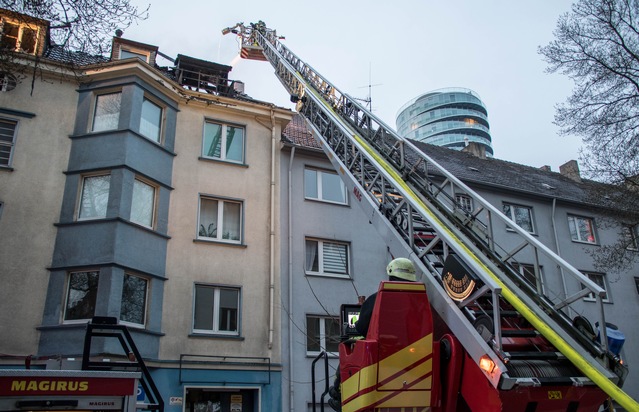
<point>135,52</point>
<point>591,221</point>
<point>223,135</point>
<point>22,25</point>
<point>323,336</point>
<point>637,284</point>
<point>67,294</point>
<point>96,98</point>
<point>161,120</point>
<point>220,218</point>
<point>512,216</point>
<point>528,268</point>
<point>631,234</point>
<point>321,266</point>
<point>464,202</point>
<point>146,301</point>
<point>81,187</point>
<point>10,145</point>
<point>153,206</point>
<point>319,185</point>
<point>215,327</point>
<point>590,297</point>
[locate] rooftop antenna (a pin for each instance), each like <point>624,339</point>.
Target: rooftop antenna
<point>369,99</point>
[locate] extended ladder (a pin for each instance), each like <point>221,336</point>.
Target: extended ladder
<point>411,200</point>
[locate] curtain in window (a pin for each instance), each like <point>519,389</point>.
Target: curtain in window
<point>151,120</point>
<point>312,261</point>
<point>143,203</point>
<point>212,140</point>
<point>208,218</point>
<point>232,217</point>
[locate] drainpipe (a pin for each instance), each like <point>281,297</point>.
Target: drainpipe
<point>291,385</point>
<point>561,270</point>
<point>272,235</point>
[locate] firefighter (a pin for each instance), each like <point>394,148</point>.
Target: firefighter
<point>398,270</point>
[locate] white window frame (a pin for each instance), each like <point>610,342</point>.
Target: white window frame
<point>573,221</point>
<point>512,215</point>
<point>464,202</point>
<point>319,185</point>
<point>145,303</point>
<point>153,202</point>
<point>323,335</point>
<point>529,268</point>
<point>160,125</point>
<point>593,276</point>
<point>141,54</point>
<point>224,130</point>
<point>8,144</point>
<point>631,234</point>
<point>83,180</point>
<point>68,296</point>
<point>322,265</point>
<point>215,328</point>
<point>219,234</point>
<point>96,105</point>
<point>21,28</point>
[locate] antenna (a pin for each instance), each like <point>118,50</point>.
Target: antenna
<point>369,99</point>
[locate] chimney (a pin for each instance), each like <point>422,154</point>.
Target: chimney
<point>545,168</point>
<point>475,149</point>
<point>570,169</point>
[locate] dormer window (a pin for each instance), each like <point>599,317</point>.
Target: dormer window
<point>125,49</point>
<point>19,36</point>
<point>127,54</point>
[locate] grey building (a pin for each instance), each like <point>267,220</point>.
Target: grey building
<point>451,118</point>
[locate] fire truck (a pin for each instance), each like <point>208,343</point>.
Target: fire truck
<point>120,383</point>
<point>476,335</point>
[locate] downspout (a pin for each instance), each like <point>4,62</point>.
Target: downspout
<point>291,389</point>
<point>561,270</point>
<point>272,236</point>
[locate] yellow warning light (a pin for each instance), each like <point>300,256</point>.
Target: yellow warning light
<point>412,350</point>
<point>486,364</point>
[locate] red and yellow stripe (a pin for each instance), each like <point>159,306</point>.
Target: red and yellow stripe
<point>402,380</point>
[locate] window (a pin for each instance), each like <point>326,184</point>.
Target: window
<point>133,303</point>
<point>107,112</point>
<point>322,333</point>
<point>7,141</point>
<point>127,54</point>
<point>82,292</point>
<point>8,82</point>
<point>325,186</point>
<point>630,235</point>
<point>151,122</point>
<point>95,197</point>
<point>326,257</point>
<point>522,215</point>
<point>143,203</point>
<point>599,279</point>
<point>582,229</point>
<point>637,284</point>
<point>216,310</point>
<point>464,202</point>
<point>528,272</point>
<point>223,142</point>
<point>220,220</point>
<point>19,37</point>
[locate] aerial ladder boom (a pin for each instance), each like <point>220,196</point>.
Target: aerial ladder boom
<point>412,202</point>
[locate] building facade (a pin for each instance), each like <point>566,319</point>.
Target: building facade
<point>149,195</point>
<point>450,118</point>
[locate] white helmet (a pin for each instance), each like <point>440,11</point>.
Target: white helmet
<point>402,268</point>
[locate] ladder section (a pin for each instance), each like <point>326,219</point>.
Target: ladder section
<point>107,327</point>
<point>490,306</point>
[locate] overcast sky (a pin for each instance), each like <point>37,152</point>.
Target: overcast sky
<point>403,48</point>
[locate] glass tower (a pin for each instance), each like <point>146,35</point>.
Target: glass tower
<point>451,117</point>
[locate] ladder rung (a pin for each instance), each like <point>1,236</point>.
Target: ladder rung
<point>519,333</point>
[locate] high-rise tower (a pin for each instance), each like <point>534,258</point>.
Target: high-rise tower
<point>451,117</point>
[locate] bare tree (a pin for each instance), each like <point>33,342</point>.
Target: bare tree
<point>597,45</point>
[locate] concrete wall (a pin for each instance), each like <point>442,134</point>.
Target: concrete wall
<point>31,193</point>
